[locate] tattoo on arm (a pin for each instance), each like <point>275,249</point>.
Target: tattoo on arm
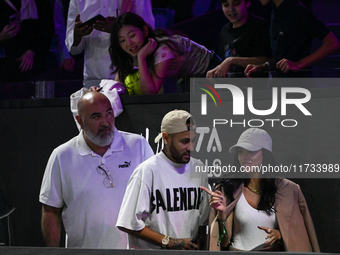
<point>177,244</point>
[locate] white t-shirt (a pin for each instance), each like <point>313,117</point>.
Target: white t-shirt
<point>71,182</point>
<point>164,196</point>
<point>246,234</point>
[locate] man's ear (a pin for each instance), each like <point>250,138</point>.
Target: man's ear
<point>79,120</point>
<point>165,137</point>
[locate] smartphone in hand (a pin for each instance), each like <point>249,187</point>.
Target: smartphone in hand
<point>93,20</point>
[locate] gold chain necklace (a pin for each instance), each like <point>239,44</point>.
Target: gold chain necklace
<point>254,190</point>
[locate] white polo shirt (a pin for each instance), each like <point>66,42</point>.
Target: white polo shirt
<point>71,182</point>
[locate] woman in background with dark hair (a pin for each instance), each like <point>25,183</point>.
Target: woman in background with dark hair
<point>157,54</point>
<point>259,214</point>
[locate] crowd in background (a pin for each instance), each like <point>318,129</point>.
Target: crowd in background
<point>44,40</point>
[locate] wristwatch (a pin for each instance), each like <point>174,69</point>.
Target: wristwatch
<point>165,241</point>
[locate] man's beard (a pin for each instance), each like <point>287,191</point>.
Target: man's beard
<point>175,154</point>
<point>100,140</point>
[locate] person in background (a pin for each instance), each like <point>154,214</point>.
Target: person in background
<point>26,32</point>
<point>157,54</point>
<point>245,39</point>
<point>65,60</point>
<point>85,179</point>
<point>292,29</point>
<point>163,205</point>
<point>95,40</point>
<point>255,213</point>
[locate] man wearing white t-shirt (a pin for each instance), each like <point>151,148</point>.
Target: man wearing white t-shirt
<point>163,205</point>
<point>85,179</point>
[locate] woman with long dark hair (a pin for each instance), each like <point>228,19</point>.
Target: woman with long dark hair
<point>259,214</point>
<point>157,54</point>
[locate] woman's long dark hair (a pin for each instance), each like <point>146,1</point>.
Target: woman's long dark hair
<point>121,61</point>
<point>268,185</point>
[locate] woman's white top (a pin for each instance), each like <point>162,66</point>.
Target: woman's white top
<point>246,234</point>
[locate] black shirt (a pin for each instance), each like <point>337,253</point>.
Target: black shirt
<point>249,40</point>
<point>293,27</point>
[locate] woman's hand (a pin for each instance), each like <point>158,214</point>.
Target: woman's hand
<point>27,60</point>
<point>148,48</point>
<point>9,31</point>
<point>273,235</point>
<point>218,202</point>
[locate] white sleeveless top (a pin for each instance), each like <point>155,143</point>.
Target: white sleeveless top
<point>246,234</point>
